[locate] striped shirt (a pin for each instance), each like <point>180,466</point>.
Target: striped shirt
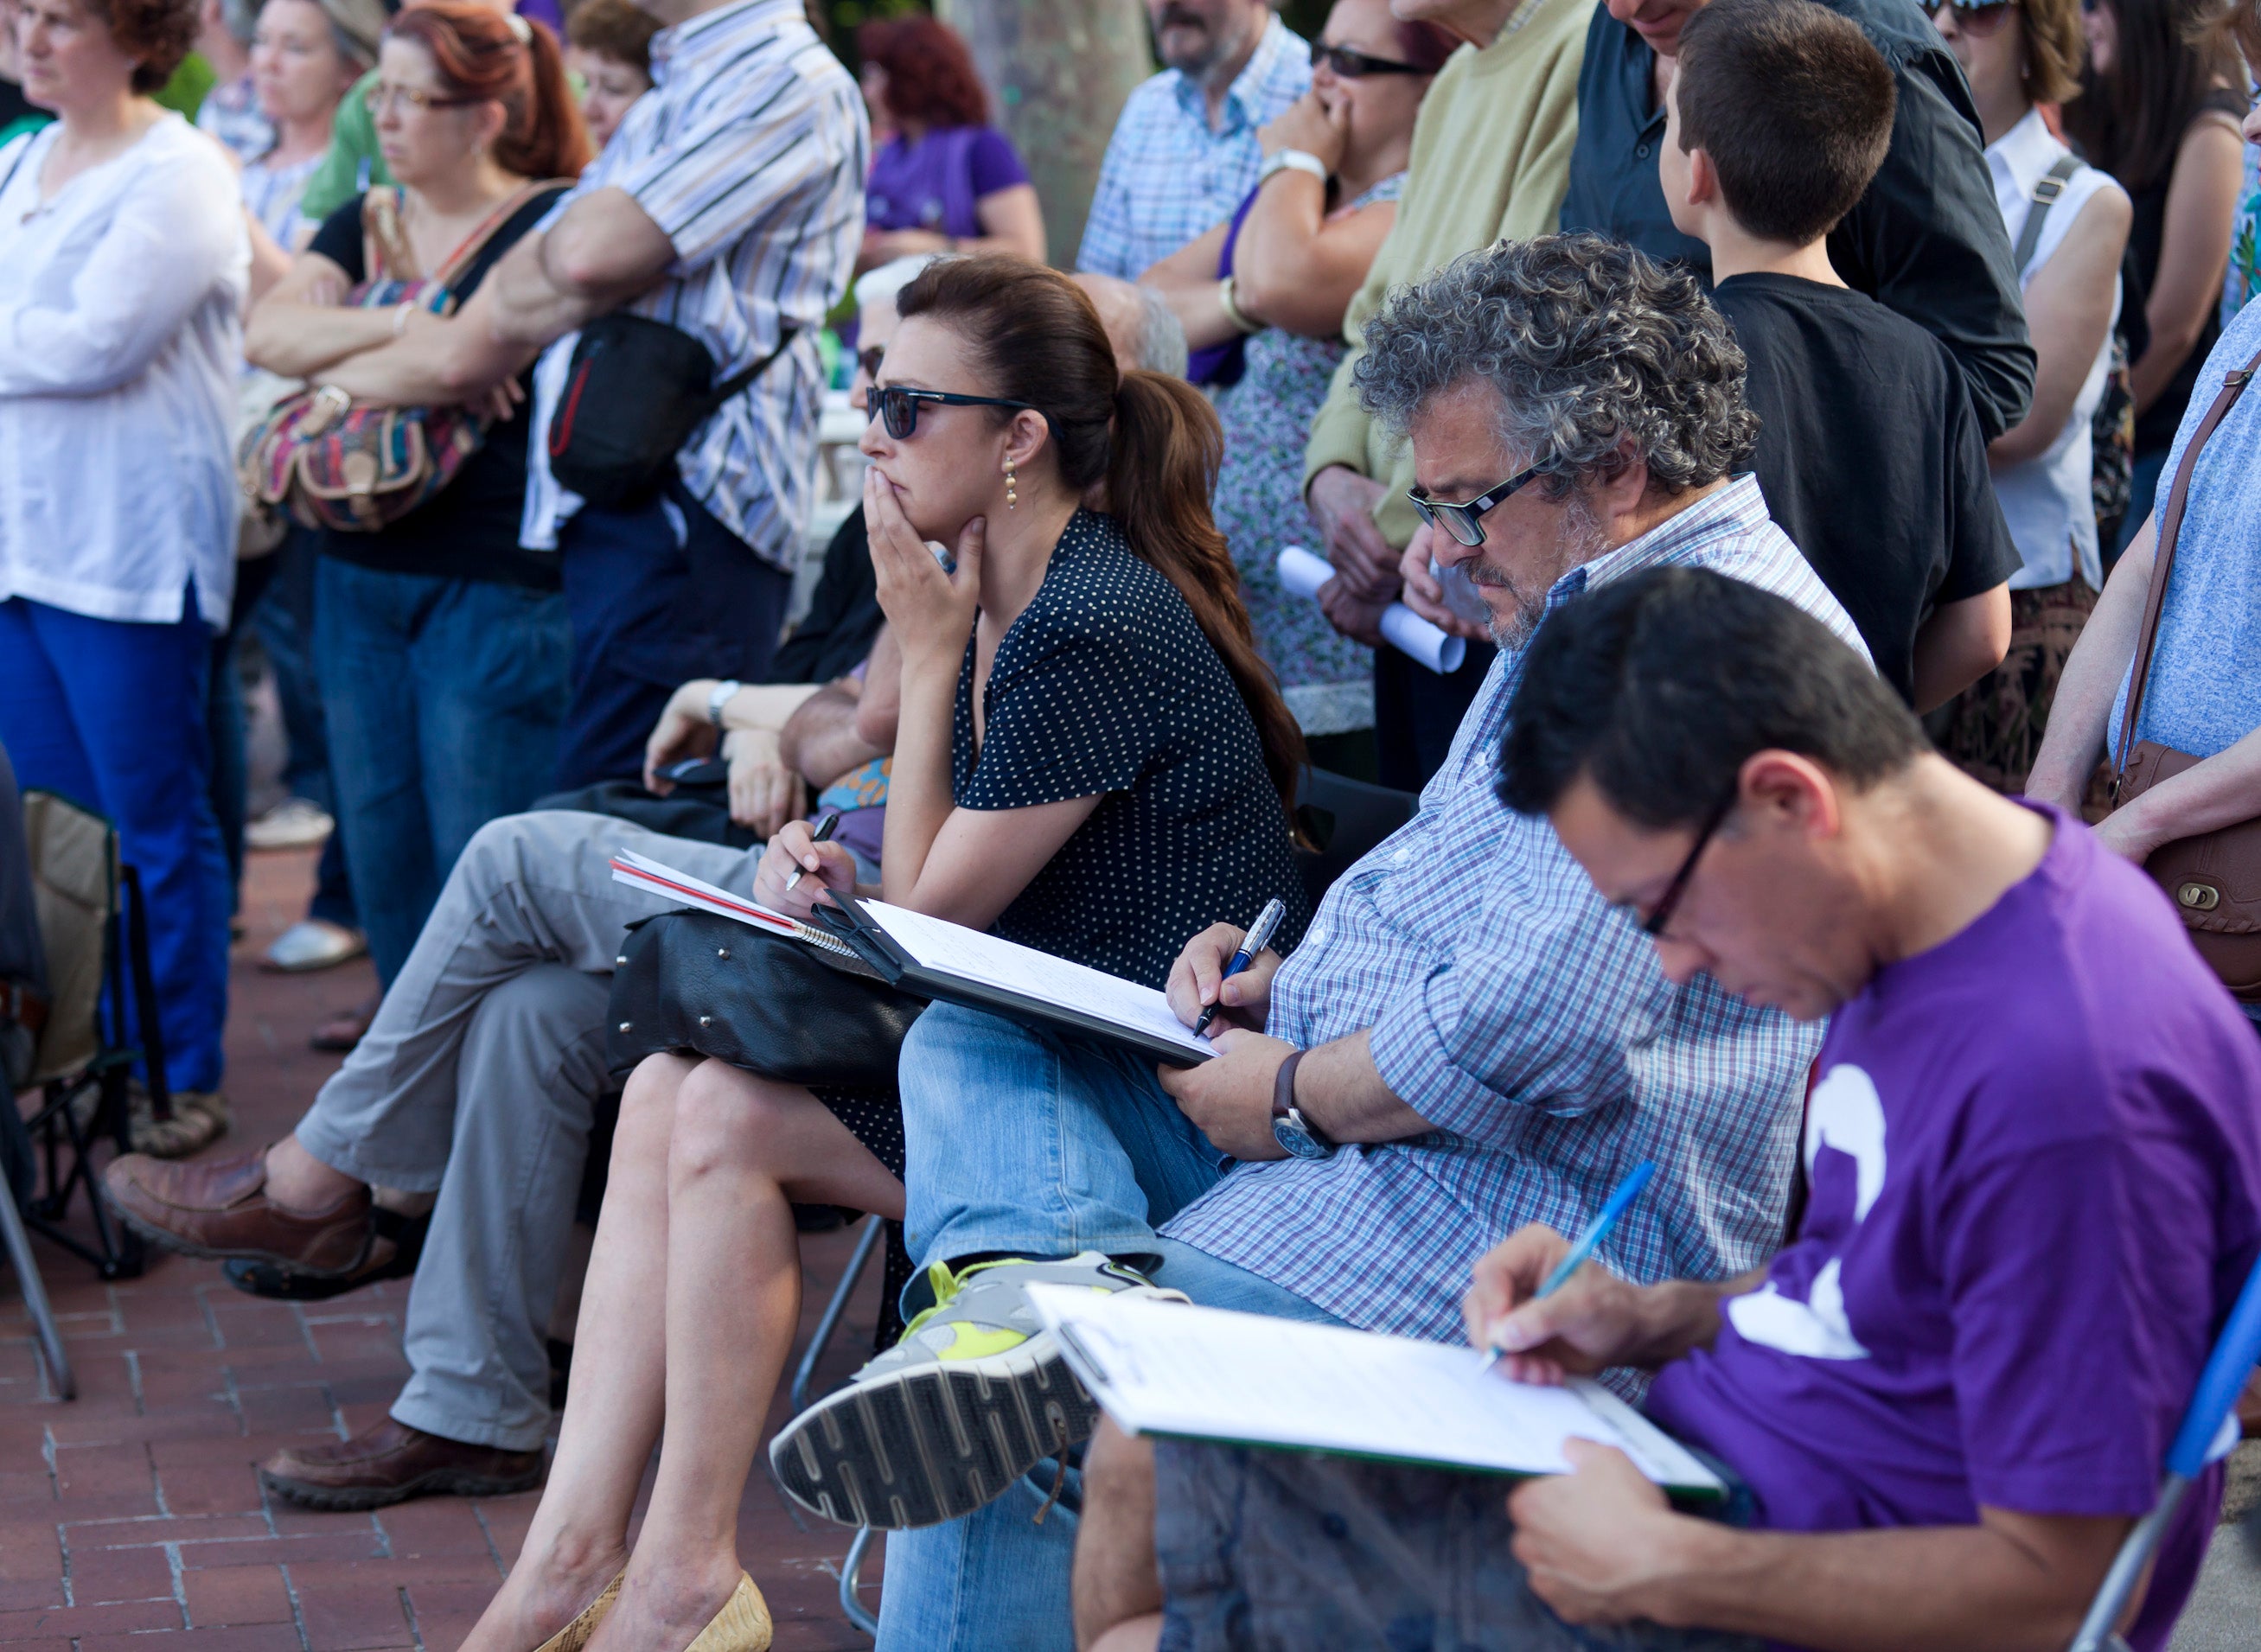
<point>1528,1019</point>
<point>1167,176</point>
<point>749,152</point>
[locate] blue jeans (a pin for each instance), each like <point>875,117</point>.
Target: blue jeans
<point>1020,1141</point>
<point>660,594</point>
<point>110,714</point>
<point>443,698</point>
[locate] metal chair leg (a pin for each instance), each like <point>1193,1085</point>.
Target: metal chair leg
<point>806,1371</point>
<point>35,1295</point>
<point>850,1602</point>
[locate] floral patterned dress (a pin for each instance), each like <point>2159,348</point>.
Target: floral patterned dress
<point>1327,680</point>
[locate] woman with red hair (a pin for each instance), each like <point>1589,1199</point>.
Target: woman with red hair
<point>943,179</point>
<point>444,647</point>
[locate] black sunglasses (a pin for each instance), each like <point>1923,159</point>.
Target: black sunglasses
<point>1464,523</point>
<point>899,406</point>
<point>1653,925</point>
<point>869,358</point>
<point>1353,64</point>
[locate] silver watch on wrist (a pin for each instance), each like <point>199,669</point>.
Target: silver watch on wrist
<point>1292,161</point>
<point>721,697</point>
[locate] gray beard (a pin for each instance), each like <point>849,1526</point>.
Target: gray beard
<point>1582,540</point>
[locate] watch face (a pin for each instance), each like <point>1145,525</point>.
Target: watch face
<point>1291,1133</point>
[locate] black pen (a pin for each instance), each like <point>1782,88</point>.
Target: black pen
<point>824,831</point>
<point>1259,937</point>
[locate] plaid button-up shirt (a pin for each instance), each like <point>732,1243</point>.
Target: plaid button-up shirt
<point>1528,1020</point>
<point>750,151</point>
<point>1166,177</point>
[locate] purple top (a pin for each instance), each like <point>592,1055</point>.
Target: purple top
<point>935,182</point>
<point>547,12</point>
<point>2036,1159</point>
<point>1223,364</point>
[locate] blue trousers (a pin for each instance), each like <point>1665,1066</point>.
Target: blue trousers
<point>110,714</point>
<point>1015,1140</point>
<point>660,594</point>
<point>443,698</point>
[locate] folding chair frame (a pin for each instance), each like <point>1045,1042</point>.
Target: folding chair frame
<point>804,1373</point>
<point>56,1130</point>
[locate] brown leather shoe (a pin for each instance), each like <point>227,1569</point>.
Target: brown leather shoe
<point>219,1208</point>
<point>391,1463</point>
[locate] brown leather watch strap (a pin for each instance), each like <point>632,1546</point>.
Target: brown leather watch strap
<point>1283,1085</point>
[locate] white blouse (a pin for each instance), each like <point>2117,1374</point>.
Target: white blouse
<point>120,343</point>
<point>2046,500</point>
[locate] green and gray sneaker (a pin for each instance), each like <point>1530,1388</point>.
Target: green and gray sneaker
<point>974,1396</point>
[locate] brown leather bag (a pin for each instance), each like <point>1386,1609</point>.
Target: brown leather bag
<point>2213,878</point>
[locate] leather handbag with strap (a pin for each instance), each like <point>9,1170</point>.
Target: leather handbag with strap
<point>327,461</point>
<point>2214,878</point>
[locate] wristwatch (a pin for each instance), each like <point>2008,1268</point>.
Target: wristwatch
<point>1292,161</point>
<point>720,697</point>
<point>1302,1138</point>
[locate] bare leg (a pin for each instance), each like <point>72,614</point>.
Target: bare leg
<point>297,1180</point>
<point>579,1536</point>
<point>1118,1586</point>
<point>744,1149</point>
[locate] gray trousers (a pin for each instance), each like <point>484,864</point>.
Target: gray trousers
<point>478,1081</point>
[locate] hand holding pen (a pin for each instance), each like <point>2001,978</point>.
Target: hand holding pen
<point>1259,936</point>
<point>1582,1250</point>
<point>824,831</point>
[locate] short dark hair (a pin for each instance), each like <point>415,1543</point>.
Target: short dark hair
<point>621,31</point>
<point>1793,104</point>
<point>1659,685</point>
<point>158,35</point>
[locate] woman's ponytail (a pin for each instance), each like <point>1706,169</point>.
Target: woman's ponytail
<point>555,143</point>
<point>1167,448</point>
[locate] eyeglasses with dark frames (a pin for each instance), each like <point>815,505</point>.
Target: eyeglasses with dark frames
<point>1674,892</point>
<point>898,406</point>
<point>1464,522</point>
<point>869,358</point>
<point>1353,64</point>
<point>1980,19</point>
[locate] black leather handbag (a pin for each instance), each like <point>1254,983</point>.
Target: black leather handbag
<point>783,1009</point>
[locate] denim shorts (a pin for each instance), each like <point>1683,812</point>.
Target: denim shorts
<point>1265,1549</point>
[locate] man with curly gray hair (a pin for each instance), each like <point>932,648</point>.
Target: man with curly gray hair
<point>1601,383</point>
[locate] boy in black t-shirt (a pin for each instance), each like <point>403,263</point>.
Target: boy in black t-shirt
<point>1869,452</point>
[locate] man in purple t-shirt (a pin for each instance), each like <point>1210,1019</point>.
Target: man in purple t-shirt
<point>2034,1154</point>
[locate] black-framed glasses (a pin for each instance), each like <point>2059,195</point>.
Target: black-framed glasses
<point>898,406</point>
<point>1465,521</point>
<point>1353,64</point>
<point>1979,19</point>
<point>868,360</point>
<point>1653,925</point>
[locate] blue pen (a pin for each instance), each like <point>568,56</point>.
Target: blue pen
<point>1596,1230</point>
<point>1259,937</point>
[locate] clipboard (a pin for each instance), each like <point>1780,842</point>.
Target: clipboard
<point>866,932</point>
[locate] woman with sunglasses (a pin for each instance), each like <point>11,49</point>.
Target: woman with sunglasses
<point>2159,112</point>
<point>1089,757</point>
<point>1261,296</point>
<point>2019,55</point>
<point>443,646</point>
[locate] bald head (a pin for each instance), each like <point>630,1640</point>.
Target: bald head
<point>1139,324</point>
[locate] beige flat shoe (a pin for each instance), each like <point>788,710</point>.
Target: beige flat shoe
<point>741,1626</point>
<point>575,1635</point>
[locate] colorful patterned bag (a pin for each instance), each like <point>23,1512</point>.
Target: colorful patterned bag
<point>329,464</point>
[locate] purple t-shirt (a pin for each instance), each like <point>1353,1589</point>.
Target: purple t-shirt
<point>935,182</point>
<point>2036,1158</point>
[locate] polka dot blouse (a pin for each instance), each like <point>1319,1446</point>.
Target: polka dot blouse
<point>1105,684</point>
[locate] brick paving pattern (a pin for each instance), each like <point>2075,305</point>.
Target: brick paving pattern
<point>134,1511</point>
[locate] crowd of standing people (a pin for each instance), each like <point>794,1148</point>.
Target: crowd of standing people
<point>1781,417</point>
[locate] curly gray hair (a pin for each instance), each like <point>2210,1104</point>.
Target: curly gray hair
<point>1587,341</point>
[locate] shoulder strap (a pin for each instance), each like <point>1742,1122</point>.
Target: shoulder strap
<point>738,381</point>
<point>2045,196</point>
<point>385,252</point>
<point>2162,562</point>
<point>477,250</point>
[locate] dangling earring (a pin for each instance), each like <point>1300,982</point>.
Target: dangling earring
<point>1011,497</point>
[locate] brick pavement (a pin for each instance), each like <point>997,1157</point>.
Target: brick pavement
<point>134,1511</point>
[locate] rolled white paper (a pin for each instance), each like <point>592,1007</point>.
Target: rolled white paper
<point>1410,633</point>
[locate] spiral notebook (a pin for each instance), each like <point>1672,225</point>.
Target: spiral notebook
<point>1163,1368</point>
<point>639,872</point>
